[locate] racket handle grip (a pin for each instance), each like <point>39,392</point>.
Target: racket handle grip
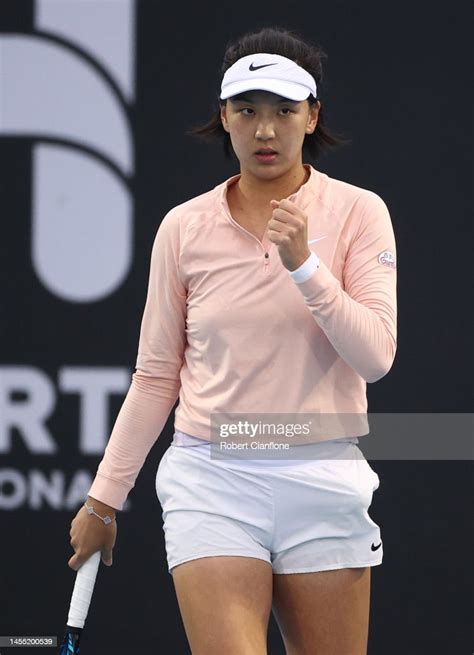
<point>82,592</point>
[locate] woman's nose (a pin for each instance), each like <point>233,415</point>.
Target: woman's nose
<point>265,129</point>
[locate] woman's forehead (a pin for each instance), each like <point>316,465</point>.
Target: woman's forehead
<point>260,96</point>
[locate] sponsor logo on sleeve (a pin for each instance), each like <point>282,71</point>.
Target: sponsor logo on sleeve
<point>387,258</point>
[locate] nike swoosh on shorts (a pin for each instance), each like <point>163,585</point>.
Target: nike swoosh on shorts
<point>318,239</point>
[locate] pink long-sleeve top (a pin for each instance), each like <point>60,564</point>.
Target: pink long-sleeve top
<point>227,328</point>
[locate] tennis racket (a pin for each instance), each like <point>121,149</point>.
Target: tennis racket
<point>80,601</point>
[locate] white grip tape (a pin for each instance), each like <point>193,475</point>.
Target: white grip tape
<point>82,592</point>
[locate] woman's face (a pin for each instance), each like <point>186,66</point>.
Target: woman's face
<point>265,120</point>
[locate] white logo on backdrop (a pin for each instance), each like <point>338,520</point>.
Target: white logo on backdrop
<point>68,87</point>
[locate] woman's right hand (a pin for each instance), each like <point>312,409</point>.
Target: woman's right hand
<point>89,534</point>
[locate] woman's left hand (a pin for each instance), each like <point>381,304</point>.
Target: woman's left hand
<point>288,229</point>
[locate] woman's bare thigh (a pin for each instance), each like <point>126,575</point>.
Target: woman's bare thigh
<point>323,613</point>
<point>225,604</point>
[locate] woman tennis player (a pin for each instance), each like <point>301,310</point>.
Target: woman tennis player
<point>271,294</point>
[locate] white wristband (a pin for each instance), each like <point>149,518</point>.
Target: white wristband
<point>306,270</point>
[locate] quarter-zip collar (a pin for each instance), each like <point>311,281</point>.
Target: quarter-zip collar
<point>302,197</point>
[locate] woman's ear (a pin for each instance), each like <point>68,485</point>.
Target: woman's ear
<point>313,117</point>
<point>225,124</point>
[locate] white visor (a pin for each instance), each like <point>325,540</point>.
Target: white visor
<point>268,72</point>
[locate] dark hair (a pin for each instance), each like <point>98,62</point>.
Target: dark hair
<point>288,43</point>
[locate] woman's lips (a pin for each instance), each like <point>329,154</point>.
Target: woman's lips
<point>266,158</point>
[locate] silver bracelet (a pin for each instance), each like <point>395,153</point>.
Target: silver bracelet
<point>106,519</point>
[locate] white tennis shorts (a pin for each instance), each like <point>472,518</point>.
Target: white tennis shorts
<point>300,516</point>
